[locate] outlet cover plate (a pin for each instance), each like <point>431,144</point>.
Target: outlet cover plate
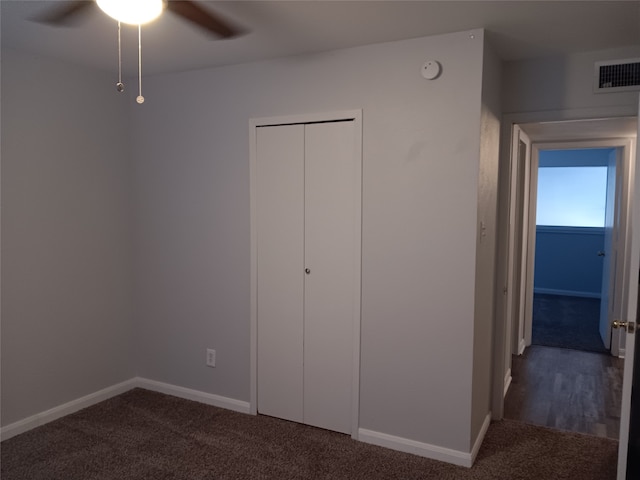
<point>211,357</point>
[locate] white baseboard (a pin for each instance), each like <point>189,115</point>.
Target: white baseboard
<point>434,452</point>
<point>521,346</point>
<point>621,353</point>
<point>507,381</point>
<point>73,406</point>
<point>478,443</point>
<point>566,293</point>
<point>196,395</point>
<point>368,436</point>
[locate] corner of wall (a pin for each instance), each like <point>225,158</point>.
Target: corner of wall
<point>486,240</point>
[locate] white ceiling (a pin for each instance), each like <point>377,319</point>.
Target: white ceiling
<point>517,28</point>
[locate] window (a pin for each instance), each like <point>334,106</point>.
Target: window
<point>571,196</point>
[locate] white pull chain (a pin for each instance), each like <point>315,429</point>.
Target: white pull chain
<point>119,85</point>
<point>140,98</point>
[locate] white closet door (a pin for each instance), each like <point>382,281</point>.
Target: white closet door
<point>280,270</point>
<point>330,286</point>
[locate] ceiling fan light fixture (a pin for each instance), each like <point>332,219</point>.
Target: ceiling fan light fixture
<point>134,12</point>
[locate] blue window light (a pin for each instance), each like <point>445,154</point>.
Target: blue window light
<point>571,196</point>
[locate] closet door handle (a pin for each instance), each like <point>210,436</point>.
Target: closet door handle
<point>307,271</point>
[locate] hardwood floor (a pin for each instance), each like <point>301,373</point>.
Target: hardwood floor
<point>566,389</point>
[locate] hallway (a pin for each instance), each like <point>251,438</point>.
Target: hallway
<point>567,390</point>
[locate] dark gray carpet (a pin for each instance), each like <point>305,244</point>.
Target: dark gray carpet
<point>567,322</point>
<point>147,435</point>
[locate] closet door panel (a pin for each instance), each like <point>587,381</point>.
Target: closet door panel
<point>280,270</point>
<point>330,176</point>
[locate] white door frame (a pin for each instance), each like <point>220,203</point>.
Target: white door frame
<point>502,340</point>
<point>624,165</point>
<point>254,123</point>
<point>520,215</point>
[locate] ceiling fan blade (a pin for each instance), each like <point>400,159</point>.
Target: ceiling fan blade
<point>65,14</point>
<point>205,19</point>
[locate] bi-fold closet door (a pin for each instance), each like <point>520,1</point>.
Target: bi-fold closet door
<point>308,271</point>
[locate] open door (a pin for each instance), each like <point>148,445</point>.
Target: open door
<point>610,252</point>
<point>610,299</point>
<point>629,446</point>
<point>633,445</point>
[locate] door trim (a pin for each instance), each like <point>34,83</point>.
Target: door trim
<point>526,221</point>
<point>254,123</point>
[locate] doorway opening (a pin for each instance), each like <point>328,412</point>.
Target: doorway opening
<point>601,227</point>
<point>561,386</point>
<point>574,243</point>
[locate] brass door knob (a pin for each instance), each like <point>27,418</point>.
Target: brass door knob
<point>630,327</point>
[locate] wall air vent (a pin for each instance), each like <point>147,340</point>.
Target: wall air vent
<point>617,76</point>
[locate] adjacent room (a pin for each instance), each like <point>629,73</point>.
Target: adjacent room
<point>267,239</point>
<point>571,215</point>
<point>575,210</point>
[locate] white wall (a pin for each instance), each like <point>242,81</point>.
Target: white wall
<point>486,225</point>
<point>561,83</point>
<point>421,146</point>
<point>66,245</point>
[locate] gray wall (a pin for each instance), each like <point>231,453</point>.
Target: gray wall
<point>486,239</point>
<point>561,83</point>
<point>79,222</point>
<point>66,235</point>
<point>421,143</point>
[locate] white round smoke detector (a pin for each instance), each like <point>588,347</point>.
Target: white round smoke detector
<point>431,70</point>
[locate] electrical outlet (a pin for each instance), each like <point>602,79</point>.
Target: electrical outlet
<point>211,357</point>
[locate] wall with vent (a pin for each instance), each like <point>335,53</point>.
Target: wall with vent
<point>562,83</point>
<point>617,75</point>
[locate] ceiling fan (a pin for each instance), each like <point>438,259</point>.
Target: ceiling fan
<point>190,11</point>
<point>138,12</point>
